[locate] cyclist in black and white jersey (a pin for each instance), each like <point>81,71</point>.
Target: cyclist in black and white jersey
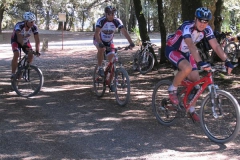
<point>183,54</point>
<point>104,33</point>
<point>20,38</point>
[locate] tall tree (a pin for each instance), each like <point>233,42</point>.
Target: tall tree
<point>132,19</point>
<point>142,24</point>
<point>162,31</point>
<point>217,15</point>
<point>189,7</point>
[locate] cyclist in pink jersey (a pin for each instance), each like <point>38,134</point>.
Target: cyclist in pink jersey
<point>20,39</point>
<point>183,54</point>
<point>104,33</point>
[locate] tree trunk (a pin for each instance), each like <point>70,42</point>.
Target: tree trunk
<point>1,16</point>
<point>47,20</point>
<point>132,19</point>
<point>189,7</point>
<point>217,15</point>
<point>163,59</point>
<point>142,27</point>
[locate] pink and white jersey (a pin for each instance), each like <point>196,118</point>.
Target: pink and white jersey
<point>188,30</point>
<point>108,28</point>
<point>20,26</point>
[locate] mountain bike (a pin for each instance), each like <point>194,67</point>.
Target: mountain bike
<point>232,50</point>
<point>219,111</point>
<point>28,79</point>
<point>143,59</point>
<point>115,76</point>
<point>205,50</point>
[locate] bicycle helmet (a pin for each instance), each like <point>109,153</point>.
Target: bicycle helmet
<point>203,13</point>
<point>29,16</point>
<point>110,9</point>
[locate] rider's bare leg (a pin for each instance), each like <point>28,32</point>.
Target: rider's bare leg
<point>185,69</point>
<point>110,57</point>
<point>15,61</point>
<point>30,57</point>
<point>100,55</point>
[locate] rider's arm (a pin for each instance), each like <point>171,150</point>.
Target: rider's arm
<point>193,49</point>
<point>218,49</point>
<point>19,37</point>
<point>97,35</point>
<point>37,42</point>
<point>125,33</point>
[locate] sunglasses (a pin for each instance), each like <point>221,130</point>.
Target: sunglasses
<point>202,21</point>
<point>31,21</point>
<point>111,14</point>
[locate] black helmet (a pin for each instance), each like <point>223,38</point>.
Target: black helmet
<point>110,9</point>
<point>203,13</point>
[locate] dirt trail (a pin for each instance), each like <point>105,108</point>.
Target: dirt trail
<point>67,121</point>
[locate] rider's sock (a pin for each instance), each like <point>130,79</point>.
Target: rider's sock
<point>172,88</point>
<point>191,109</point>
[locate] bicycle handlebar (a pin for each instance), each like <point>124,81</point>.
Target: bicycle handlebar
<point>118,48</point>
<point>149,43</point>
<point>216,68</point>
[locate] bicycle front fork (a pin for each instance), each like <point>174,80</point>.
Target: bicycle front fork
<point>215,101</point>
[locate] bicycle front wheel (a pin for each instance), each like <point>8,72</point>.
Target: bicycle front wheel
<point>28,81</point>
<point>220,121</point>
<point>145,62</point>
<point>99,85</point>
<point>163,109</point>
<point>122,83</point>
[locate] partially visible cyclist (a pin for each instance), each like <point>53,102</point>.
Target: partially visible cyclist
<point>183,54</point>
<point>20,39</point>
<point>104,33</point>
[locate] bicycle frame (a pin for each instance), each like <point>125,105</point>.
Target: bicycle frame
<point>204,81</point>
<point>112,67</point>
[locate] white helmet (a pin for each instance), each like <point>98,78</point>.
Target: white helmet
<point>29,16</point>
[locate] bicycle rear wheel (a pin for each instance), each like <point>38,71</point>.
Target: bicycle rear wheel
<point>122,83</point>
<point>28,81</point>
<point>145,62</point>
<point>163,109</point>
<point>99,85</point>
<point>224,126</point>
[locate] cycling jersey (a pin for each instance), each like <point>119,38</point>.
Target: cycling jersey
<point>188,30</point>
<point>20,26</point>
<point>108,28</point>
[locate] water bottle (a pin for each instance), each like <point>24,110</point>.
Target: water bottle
<point>193,92</point>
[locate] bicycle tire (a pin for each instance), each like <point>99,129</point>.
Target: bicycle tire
<point>217,129</point>
<point>99,85</point>
<point>145,64</point>
<point>122,85</point>
<point>231,50</point>
<point>162,108</point>
<point>135,61</point>
<point>28,81</point>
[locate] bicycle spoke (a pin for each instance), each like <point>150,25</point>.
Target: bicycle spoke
<point>221,121</point>
<point>28,81</point>
<point>98,83</point>
<point>164,111</point>
<point>122,83</point>
<point>146,62</point>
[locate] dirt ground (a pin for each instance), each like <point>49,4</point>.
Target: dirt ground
<point>65,120</point>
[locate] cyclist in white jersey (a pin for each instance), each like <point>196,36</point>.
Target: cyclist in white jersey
<point>183,54</point>
<point>20,39</point>
<point>104,33</point>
